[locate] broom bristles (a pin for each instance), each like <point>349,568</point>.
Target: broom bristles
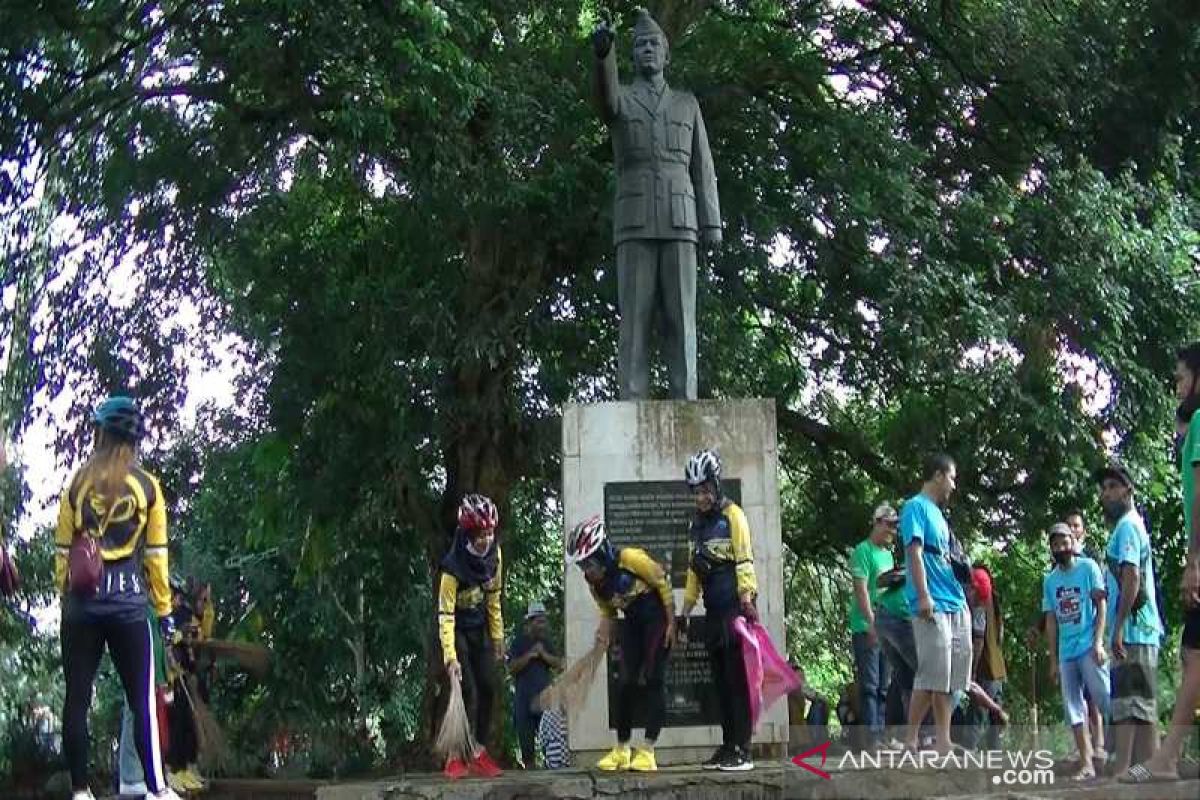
<point>210,739</point>
<point>254,658</point>
<point>571,690</point>
<point>454,738</point>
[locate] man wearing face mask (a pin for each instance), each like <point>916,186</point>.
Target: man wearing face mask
<point>1133,622</point>
<point>470,626</point>
<point>1073,600</point>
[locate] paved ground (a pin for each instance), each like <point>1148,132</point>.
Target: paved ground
<point>768,782</point>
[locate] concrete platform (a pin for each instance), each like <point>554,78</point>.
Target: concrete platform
<point>768,782</point>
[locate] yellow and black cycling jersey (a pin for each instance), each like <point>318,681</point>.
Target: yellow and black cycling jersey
<point>637,576</point>
<point>132,533</point>
<point>722,565</point>
<point>469,605</point>
<point>208,618</point>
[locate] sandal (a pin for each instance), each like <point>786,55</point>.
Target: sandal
<point>1084,775</point>
<point>1138,773</point>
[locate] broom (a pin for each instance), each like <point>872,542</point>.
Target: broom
<point>210,739</point>
<point>454,738</point>
<point>571,689</point>
<point>254,658</point>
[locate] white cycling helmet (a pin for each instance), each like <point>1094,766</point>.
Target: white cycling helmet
<point>585,539</point>
<point>704,466</point>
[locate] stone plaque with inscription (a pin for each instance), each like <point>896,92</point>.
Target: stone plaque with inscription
<point>656,516</point>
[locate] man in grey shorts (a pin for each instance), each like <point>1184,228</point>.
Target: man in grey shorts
<point>1133,622</point>
<point>941,625</point>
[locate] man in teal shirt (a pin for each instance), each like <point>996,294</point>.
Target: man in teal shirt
<point>1133,625</point>
<point>870,559</point>
<point>1074,599</point>
<point>1165,763</point>
<point>941,626</point>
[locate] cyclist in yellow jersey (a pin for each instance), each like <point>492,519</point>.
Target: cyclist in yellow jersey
<point>722,570</point>
<point>629,581</point>
<point>470,625</point>
<point>121,506</point>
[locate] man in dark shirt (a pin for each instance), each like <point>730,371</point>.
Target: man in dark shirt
<point>530,662</point>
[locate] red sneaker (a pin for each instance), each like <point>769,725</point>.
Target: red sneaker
<point>455,769</point>
<point>483,766</point>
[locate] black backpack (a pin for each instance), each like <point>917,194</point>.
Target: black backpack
<point>1158,592</point>
<point>960,562</point>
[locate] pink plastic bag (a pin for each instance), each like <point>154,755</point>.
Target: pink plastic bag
<point>768,675</point>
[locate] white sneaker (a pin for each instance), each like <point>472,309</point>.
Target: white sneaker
<point>83,794</point>
<point>133,789</point>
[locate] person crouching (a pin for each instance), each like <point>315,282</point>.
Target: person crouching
<point>629,581</point>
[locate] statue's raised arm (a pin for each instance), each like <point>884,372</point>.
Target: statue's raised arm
<point>604,72</point>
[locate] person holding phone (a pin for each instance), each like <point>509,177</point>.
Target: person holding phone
<point>869,560</point>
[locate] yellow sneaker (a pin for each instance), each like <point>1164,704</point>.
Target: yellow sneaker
<point>643,760</point>
<point>191,781</point>
<point>194,777</point>
<point>617,758</point>
<point>176,782</point>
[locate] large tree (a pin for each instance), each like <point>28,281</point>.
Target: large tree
<point>942,218</point>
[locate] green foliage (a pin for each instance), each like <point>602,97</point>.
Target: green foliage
<point>30,661</point>
<point>966,226</point>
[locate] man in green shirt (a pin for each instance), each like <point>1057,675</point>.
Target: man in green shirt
<point>870,559</point>
<point>1164,764</point>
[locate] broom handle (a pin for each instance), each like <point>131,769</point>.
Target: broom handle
<point>187,693</point>
<point>1035,700</point>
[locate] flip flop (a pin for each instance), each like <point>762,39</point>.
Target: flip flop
<point>1139,774</point>
<point>1084,776</point>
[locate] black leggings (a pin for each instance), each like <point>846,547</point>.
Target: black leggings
<point>130,647</point>
<point>478,683</point>
<point>640,679</point>
<point>182,746</point>
<point>729,675</point>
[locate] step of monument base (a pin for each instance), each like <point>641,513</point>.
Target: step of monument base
<point>675,783</point>
<point>767,782</point>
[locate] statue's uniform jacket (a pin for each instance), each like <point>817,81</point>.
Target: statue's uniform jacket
<point>666,184</point>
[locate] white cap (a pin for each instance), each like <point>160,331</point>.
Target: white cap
<point>885,513</point>
<point>536,609</point>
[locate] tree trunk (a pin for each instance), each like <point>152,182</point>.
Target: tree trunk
<point>482,451</point>
<point>356,642</point>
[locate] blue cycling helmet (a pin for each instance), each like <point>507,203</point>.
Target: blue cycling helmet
<point>120,416</point>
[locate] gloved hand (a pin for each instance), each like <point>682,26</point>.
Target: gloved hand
<point>602,39</point>
<point>749,611</point>
<point>166,626</point>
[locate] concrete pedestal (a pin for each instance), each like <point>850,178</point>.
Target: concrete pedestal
<point>611,446</point>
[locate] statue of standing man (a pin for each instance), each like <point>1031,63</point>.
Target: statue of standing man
<point>666,205</point>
